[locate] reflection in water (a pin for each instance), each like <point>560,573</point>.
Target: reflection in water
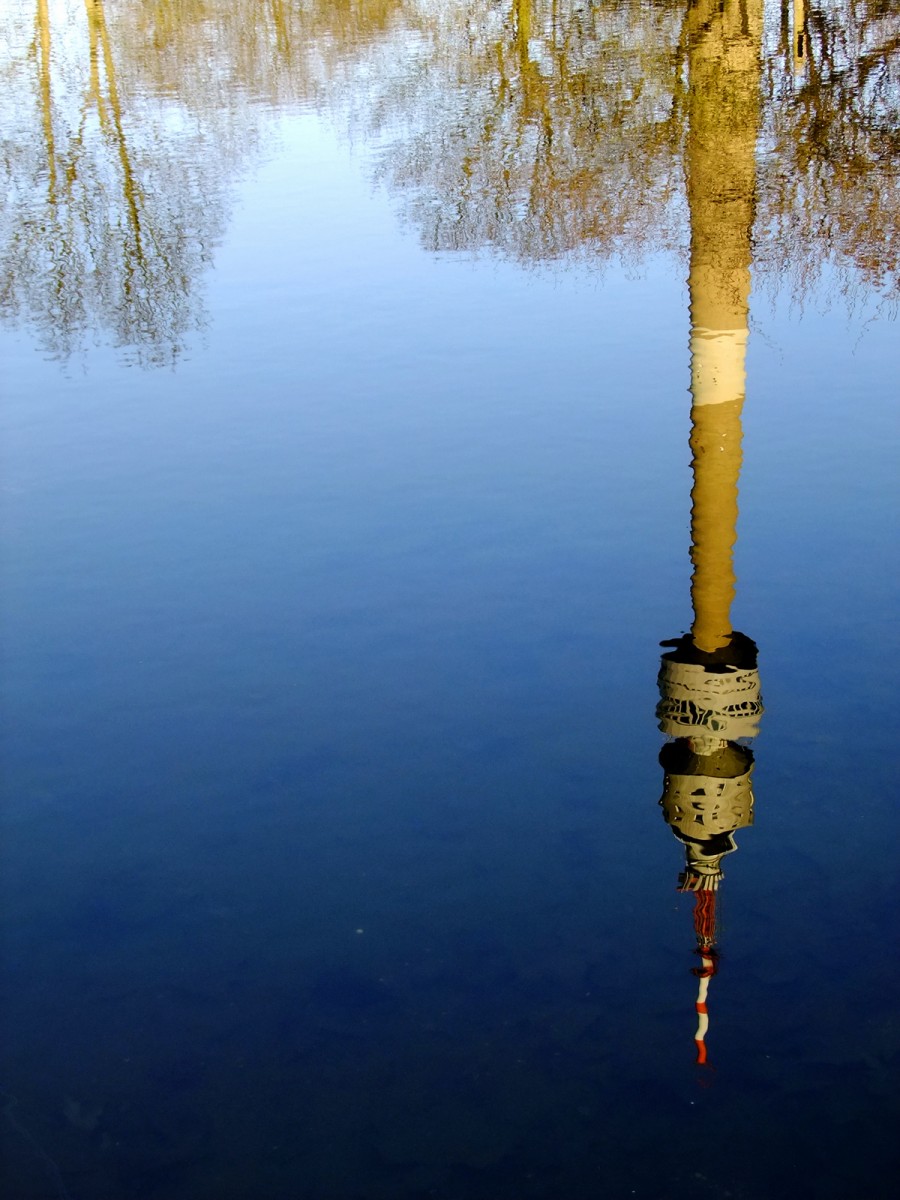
<point>121,150</point>
<point>799,33</point>
<point>541,130</point>
<point>271,956</point>
<point>828,186</point>
<point>708,681</point>
<point>555,129</point>
<point>117,202</point>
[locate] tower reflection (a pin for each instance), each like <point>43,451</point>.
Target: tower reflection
<point>708,680</point>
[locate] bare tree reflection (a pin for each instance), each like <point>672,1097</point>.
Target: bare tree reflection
<point>537,129</point>
<point>542,130</point>
<point>829,174</point>
<point>552,128</point>
<point>118,206</point>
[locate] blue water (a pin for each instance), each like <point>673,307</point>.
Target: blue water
<point>333,866</point>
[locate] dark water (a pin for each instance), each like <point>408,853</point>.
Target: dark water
<point>337,555</point>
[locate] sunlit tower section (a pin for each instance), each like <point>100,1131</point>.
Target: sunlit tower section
<point>800,40</point>
<point>708,680</point>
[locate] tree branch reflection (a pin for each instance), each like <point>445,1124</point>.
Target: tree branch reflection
<point>540,130</point>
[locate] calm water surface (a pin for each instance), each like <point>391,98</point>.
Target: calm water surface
<point>375,377</point>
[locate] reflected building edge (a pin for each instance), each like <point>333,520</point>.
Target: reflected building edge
<point>709,685</point>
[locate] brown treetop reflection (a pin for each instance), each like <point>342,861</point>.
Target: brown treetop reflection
<point>538,129</point>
